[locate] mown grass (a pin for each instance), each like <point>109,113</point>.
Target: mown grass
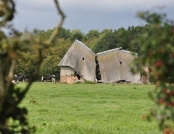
<point>89,108</point>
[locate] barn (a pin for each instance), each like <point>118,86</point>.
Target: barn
<point>81,64</point>
<point>78,64</point>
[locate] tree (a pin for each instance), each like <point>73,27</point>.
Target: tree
<point>91,38</point>
<point>63,33</point>
<point>92,34</point>
<point>157,52</point>
<point>108,41</point>
<point>26,63</point>
<point>50,66</point>
<point>76,34</point>
<point>52,57</point>
<point>12,117</point>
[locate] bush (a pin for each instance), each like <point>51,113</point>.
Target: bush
<point>157,52</point>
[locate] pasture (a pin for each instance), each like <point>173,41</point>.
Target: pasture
<point>89,108</point>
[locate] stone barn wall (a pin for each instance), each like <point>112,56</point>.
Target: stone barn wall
<point>67,75</point>
<point>145,78</point>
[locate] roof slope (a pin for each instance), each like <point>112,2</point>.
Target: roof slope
<point>114,66</point>
<point>81,59</point>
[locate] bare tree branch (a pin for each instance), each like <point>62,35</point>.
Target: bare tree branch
<point>56,30</point>
<point>40,58</point>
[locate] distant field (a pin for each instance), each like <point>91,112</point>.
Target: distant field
<point>89,109</point>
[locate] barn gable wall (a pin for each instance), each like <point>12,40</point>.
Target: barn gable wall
<point>108,66</point>
<point>114,66</point>
<point>81,59</point>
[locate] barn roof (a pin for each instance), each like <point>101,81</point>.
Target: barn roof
<point>81,59</point>
<point>114,66</point>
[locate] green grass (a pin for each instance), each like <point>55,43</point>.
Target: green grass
<point>89,109</point>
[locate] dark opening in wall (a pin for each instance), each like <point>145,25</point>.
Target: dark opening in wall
<point>97,70</point>
<point>83,58</point>
<point>120,62</point>
<point>76,74</point>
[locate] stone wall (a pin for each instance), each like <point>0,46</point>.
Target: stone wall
<point>68,79</point>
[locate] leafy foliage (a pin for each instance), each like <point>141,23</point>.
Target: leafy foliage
<point>76,34</point>
<point>157,52</point>
<point>12,117</point>
<point>108,41</point>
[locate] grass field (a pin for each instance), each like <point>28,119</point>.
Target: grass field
<point>89,109</point>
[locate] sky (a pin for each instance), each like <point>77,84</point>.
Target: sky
<point>86,15</point>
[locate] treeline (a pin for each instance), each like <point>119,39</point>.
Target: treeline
<point>95,40</point>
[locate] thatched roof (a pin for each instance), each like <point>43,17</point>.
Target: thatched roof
<point>81,59</point>
<point>114,66</point>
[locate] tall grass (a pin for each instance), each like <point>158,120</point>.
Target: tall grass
<point>89,109</point>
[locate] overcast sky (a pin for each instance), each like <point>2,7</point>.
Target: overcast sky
<point>86,14</point>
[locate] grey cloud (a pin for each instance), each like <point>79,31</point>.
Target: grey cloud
<point>86,14</point>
